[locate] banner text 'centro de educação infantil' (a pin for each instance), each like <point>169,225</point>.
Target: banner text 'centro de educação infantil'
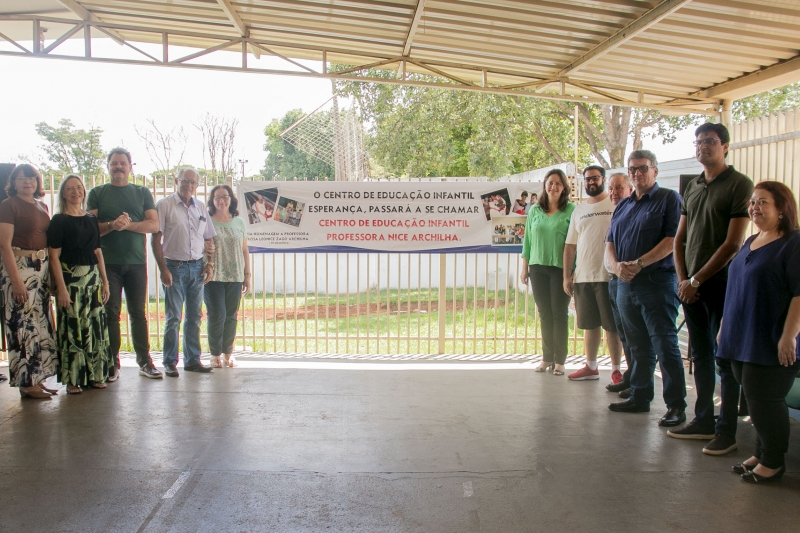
<point>329,216</point>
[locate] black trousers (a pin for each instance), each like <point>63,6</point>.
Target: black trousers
<point>703,319</point>
<point>553,304</point>
<point>765,388</point>
<point>133,279</point>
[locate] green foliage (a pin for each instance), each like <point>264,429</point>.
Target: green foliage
<point>767,103</point>
<point>284,161</point>
<point>425,131</point>
<point>73,149</point>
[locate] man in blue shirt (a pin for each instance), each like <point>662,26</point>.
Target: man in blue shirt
<point>639,252</point>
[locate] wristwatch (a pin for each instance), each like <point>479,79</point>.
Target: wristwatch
<point>693,282</point>
<point>640,262</point>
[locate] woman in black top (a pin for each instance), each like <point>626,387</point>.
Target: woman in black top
<point>79,274</point>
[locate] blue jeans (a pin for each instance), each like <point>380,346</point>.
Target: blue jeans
<point>648,306</point>
<point>186,292</point>
<point>703,319</point>
<point>222,302</point>
<point>612,296</point>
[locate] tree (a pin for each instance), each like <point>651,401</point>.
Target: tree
<point>767,103</point>
<point>218,135</point>
<point>71,149</point>
<point>165,149</point>
<point>423,131</point>
<point>284,160</point>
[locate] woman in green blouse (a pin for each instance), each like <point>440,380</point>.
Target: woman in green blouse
<point>542,264</point>
<point>231,277</point>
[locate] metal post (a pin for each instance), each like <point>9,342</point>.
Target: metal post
<point>575,135</point>
<point>442,299</point>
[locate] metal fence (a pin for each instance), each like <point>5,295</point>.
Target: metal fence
<point>410,303</point>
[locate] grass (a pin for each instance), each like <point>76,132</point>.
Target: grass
<point>388,322</point>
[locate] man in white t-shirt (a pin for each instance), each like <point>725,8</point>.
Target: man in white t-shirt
<point>587,278</point>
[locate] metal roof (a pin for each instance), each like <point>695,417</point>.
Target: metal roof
<point>674,54</point>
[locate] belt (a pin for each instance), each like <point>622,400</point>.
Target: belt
<point>190,261</point>
<point>614,276</point>
<point>33,254</point>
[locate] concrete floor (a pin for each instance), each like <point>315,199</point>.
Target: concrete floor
<point>391,448</point>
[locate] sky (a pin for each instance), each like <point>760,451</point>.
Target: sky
<point>117,98</point>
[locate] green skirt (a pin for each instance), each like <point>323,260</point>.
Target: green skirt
<point>82,335</point>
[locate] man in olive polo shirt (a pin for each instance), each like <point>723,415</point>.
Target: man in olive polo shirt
<point>713,221</point>
<point>126,212</point>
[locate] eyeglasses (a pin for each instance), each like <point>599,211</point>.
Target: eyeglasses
<point>643,169</point>
<point>711,141</point>
<point>25,178</point>
<point>591,179</point>
<point>226,197</point>
<point>191,183</point>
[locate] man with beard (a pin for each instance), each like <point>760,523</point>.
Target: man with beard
<point>713,222</point>
<point>125,213</point>
<point>587,280</point>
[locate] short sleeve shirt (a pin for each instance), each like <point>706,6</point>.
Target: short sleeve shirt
<point>78,238</point>
<point>30,221</point>
<point>184,228</point>
<point>761,286</point>
<point>229,257</point>
<point>637,226</point>
<point>110,201</point>
<point>543,243</point>
<point>709,208</point>
<point>588,228</point>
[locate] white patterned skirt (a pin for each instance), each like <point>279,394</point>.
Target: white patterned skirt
<point>32,355</point>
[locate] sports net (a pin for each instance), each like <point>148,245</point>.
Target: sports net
<point>334,136</point>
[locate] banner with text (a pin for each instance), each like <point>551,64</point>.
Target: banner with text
<point>329,216</point>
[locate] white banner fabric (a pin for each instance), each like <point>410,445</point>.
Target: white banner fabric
<point>328,216</point>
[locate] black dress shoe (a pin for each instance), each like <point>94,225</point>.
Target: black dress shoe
<point>673,417</point>
<point>625,394</point>
<point>629,406</point>
<point>171,371</point>
<point>618,387</point>
<point>3,377</point>
<point>198,367</point>
<point>741,468</point>
<point>752,477</point>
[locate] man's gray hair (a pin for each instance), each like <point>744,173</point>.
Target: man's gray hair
<point>184,170</point>
<point>644,154</point>
<point>622,175</point>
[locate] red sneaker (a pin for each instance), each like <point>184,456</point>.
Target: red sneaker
<point>585,373</point>
<point>616,377</point>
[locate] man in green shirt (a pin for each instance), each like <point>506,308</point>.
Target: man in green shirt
<point>126,212</point>
<point>713,222</point>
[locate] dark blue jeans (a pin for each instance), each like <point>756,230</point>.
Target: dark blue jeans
<point>222,302</point>
<point>612,295</point>
<point>133,279</point>
<point>186,292</point>
<point>648,306</point>
<point>703,319</point>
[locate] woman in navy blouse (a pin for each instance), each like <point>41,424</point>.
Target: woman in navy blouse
<point>761,325</point>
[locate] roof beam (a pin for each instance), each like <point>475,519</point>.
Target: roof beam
<point>658,13</point>
<point>414,25</point>
<point>88,16</point>
<point>767,78</point>
<point>238,23</point>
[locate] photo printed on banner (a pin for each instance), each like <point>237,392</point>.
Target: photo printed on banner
<point>289,211</point>
<point>496,203</point>
<point>260,205</point>
<point>508,230</point>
